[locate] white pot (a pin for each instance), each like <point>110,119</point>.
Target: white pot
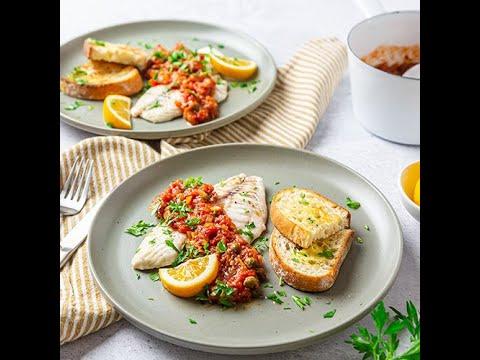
<point>386,105</point>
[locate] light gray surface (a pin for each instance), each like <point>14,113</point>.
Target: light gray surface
<point>282,26</point>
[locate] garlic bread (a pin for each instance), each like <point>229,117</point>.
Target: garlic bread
<point>314,268</point>
<point>95,80</point>
<point>115,53</point>
<point>303,216</point>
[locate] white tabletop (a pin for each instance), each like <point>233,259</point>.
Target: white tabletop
<point>282,26</point>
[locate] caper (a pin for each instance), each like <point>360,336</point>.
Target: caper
<point>251,262</point>
<point>251,282</point>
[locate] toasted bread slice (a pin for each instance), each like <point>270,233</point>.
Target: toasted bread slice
<point>95,80</point>
<point>115,53</point>
<point>312,269</point>
<point>303,216</point>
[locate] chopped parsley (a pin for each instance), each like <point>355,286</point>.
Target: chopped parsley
<point>151,299</point>
<point>154,276</point>
<point>156,104</point>
<point>152,242</point>
<point>280,281</point>
<point>192,222</point>
<point>223,292</point>
<point>274,297</point>
<point>366,227</point>
<point>81,81</point>
<point>220,46</point>
<point>139,228</point>
<point>97,42</point>
<point>221,247</point>
<point>268,285</point>
<point>188,252</point>
<point>302,199</point>
<point>179,207</point>
<point>206,247</point>
<point>327,253</point>
<point>247,230</point>
<point>261,244</point>
<point>352,204</point>
<point>138,276</point>
<point>330,314</point>
<point>359,240</point>
<point>281,293</point>
<point>192,321</point>
<point>76,104</point>
<point>145,45</point>
<point>193,182</point>
<point>251,85</point>
<point>170,244</point>
<point>159,55</point>
<point>301,302</point>
<point>277,183</point>
<point>287,308</point>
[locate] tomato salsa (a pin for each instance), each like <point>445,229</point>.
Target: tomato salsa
<point>186,70</point>
<point>190,207</point>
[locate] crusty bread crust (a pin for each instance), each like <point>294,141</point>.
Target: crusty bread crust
<point>103,79</point>
<point>116,53</point>
<point>300,280</point>
<point>291,230</point>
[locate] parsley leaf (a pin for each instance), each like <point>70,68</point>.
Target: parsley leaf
<point>327,253</point>
<point>221,247</point>
<point>274,297</point>
<point>154,276</point>
<point>261,244</point>
<point>247,230</point>
<point>179,207</point>
<point>301,302</point>
<point>192,321</point>
<point>383,344</point>
<point>352,204</point>
<point>139,228</point>
<point>192,222</point>
<point>75,105</point>
<point>193,182</point>
<point>330,314</point>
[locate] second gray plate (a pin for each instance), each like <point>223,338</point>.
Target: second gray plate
<point>260,326</point>
<point>168,32</point>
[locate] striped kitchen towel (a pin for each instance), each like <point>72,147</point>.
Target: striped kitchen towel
<point>288,117</point>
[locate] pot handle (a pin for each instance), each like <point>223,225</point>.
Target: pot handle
<point>370,7</point>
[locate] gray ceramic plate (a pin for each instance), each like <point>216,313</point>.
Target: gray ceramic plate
<point>195,35</point>
<point>261,326</point>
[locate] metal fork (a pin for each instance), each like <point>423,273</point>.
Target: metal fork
<point>75,190</point>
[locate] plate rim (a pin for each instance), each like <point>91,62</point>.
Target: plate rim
<point>194,130</point>
<point>308,339</point>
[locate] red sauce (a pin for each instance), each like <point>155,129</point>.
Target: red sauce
<point>188,72</point>
<point>241,266</point>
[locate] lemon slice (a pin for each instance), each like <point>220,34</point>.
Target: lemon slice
<point>416,193</point>
<point>189,278</point>
<point>116,111</point>
<point>238,69</point>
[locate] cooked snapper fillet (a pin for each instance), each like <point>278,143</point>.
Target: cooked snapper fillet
<point>154,252</point>
<point>243,198</point>
<point>158,103</point>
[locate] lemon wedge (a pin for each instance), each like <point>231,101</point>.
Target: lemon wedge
<point>189,278</point>
<point>116,111</point>
<point>416,193</point>
<point>234,68</point>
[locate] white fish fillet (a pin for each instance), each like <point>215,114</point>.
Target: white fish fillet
<point>243,198</point>
<point>154,252</point>
<point>158,103</point>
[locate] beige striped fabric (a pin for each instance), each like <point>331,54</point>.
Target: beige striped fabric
<point>288,117</point>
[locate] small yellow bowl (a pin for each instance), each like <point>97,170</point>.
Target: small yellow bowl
<point>408,178</point>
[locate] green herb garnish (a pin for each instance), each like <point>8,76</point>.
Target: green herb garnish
<point>268,285</point>
<point>192,222</point>
<point>302,199</point>
<point>156,104</point>
<point>352,204</point>
<point>384,342</point>
<point>221,46</point>
<point>327,253</point>
<point>359,240</point>
<point>301,302</point>
<point>154,276</point>
<point>97,42</point>
<point>139,228</point>
<point>75,105</point>
<point>193,182</point>
<point>170,244</point>
<point>274,297</point>
<point>247,230</point>
<point>329,314</point>
<point>145,45</point>
<point>81,81</point>
<point>192,321</point>
<point>261,244</point>
<point>366,227</point>
<point>179,207</point>
<point>138,276</point>
<point>280,281</point>
<point>249,85</point>
<point>221,247</point>
<point>276,183</point>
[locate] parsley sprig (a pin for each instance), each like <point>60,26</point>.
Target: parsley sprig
<point>139,229</point>
<point>247,230</point>
<point>383,344</point>
<point>352,204</point>
<point>193,182</point>
<point>179,207</point>
<point>261,244</point>
<point>251,85</point>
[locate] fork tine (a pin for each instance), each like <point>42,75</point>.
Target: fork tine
<point>67,183</point>
<point>75,183</point>
<point>86,187</point>
<point>80,186</point>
